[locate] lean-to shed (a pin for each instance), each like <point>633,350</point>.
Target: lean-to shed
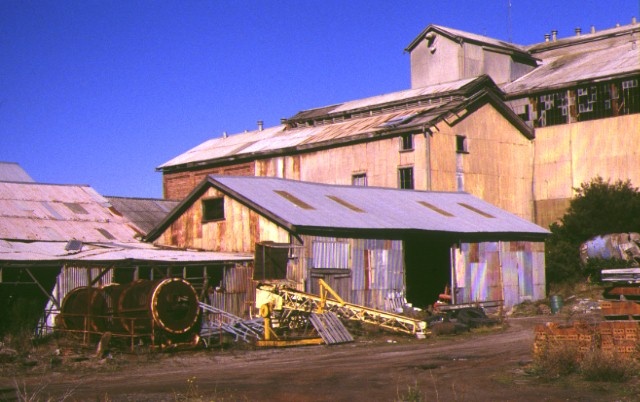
<point>373,245</point>
<point>55,238</point>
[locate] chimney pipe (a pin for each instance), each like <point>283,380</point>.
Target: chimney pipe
<point>578,31</point>
<point>593,29</point>
<point>224,134</point>
<point>554,35</point>
<point>633,20</point>
<point>546,37</point>
<point>260,125</point>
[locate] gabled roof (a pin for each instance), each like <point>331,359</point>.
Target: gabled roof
<point>11,171</point>
<point>334,210</point>
<point>359,120</point>
<point>581,59</point>
<point>143,213</point>
<point>461,36</point>
<point>53,212</point>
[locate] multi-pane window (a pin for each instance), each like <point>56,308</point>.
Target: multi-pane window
<point>587,102</point>
<point>212,209</point>
<point>553,109</point>
<point>405,178</point>
<point>359,179</point>
<point>461,144</point>
<point>406,142</point>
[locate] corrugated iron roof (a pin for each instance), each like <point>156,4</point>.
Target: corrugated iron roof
<point>52,212</point>
<point>303,207</point>
<point>572,67</point>
<point>16,252</point>
<point>282,137</point>
<point>11,171</point>
<point>467,37</point>
<point>144,213</point>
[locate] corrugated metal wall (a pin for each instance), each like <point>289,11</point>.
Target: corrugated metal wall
<point>362,271</point>
<point>237,292</point>
<point>509,271</point>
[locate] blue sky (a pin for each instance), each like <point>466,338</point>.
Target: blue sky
<point>102,92</point>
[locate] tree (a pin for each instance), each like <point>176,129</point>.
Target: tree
<point>598,208</point>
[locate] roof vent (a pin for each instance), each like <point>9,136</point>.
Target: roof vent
<point>224,134</point>
<point>633,20</point>
<point>547,37</point>
<point>593,29</point>
<point>578,31</point>
<point>554,35</point>
<point>260,125</point>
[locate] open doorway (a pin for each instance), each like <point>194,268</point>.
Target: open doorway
<point>427,269</point>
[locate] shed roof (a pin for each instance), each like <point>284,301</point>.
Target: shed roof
<point>13,253</point>
<point>11,171</point>
<point>312,208</point>
<point>54,212</point>
<point>577,60</point>
<point>144,213</point>
<point>351,121</point>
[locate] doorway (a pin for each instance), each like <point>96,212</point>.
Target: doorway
<point>427,269</point>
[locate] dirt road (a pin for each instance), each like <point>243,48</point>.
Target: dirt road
<point>479,367</point>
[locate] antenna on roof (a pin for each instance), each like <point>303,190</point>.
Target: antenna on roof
<point>509,21</point>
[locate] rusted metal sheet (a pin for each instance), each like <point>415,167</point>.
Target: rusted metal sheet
<point>331,329</point>
<point>49,212</point>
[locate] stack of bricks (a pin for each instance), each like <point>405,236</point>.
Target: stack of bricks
<point>616,337</point>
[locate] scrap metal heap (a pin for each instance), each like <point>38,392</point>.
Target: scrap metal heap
<point>286,299</point>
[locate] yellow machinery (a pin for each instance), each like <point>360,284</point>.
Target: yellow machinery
<point>281,297</point>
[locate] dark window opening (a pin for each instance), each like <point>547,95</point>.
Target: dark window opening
<point>212,209</point>
<point>406,142</point>
<point>271,260</point>
<point>461,144</point>
<point>405,178</point>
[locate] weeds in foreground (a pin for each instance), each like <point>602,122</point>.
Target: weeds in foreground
<point>413,394</point>
<point>36,394</point>
<point>193,394</point>
<point>607,367</point>
<point>559,360</point>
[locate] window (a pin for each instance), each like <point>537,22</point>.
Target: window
<point>406,142</point>
<point>405,178</point>
<point>359,179</point>
<point>212,209</point>
<point>271,260</point>
<point>461,144</point>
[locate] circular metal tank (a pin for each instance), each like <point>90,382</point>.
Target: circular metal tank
<point>169,304</point>
<point>85,309</point>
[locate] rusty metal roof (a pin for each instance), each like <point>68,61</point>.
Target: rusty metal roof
<point>94,254</point>
<point>11,171</point>
<point>305,207</point>
<point>143,213</point>
<point>371,116</point>
<point>52,212</point>
<point>572,67</point>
